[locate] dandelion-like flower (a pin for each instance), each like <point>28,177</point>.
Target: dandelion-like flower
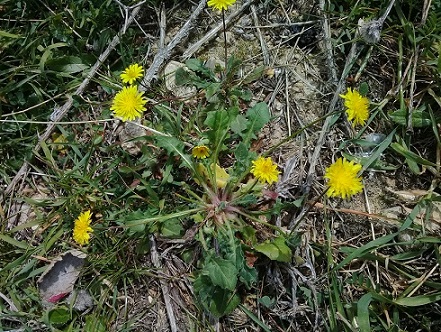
<point>200,152</point>
<point>82,228</point>
<point>128,104</point>
<point>132,73</point>
<point>220,4</point>
<point>343,179</point>
<point>357,107</point>
<point>265,170</point>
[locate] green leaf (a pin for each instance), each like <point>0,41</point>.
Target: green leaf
<point>223,302</point>
<point>182,76</point>
<point>174,147</point>
<point>405,152</point>
<point>245,94</point>
<point>285,253</point>
<point>267,301</point>
<point>412,159</point>
<point>132,221</point>
<point>255,319</point>
<point>195,65</point>
<point>368,247</point>
<point>14,242</point>
<point>257,116</point>
<point>417,301</point>
<point>247,200</point>
<point>247,275</point>
<point>59,316</point>
<point>198,66</point>
<point>376,165</point>
<point>378,151</point>
<point>239,124</point>
<point>96,323</point>
<point>364,89</point>
<point>171,228</point>
<point>134,226</point>
<point>218,122</point>
<point>222,273</point>
<point>277,250</point>
<point>256,74</point>
<point>212,90</point>
<point>67,64</point>
<point>48,53</point>
<point>8,35</point>
<point>243,157</point>
<point>213,298</point>
<point>363,313</point>
<point>420,118</point>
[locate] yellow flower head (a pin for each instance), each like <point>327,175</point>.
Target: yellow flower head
<point>128,104</point>
<point>265,170</point>
<point>342,179</point>
<point>200,152</point>
<point>82,228</point>
<point>220,4</point>
<point>357,107</point>
<point>132,73</point>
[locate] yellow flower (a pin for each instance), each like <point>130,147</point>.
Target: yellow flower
<point>132,73</point>
<point>343,180</point>
<point>200,152</point>
<point>265,170</point>
<point>220,4</point>
<point>82,228</point>
<point>357,107</point>
<point>128,104</point>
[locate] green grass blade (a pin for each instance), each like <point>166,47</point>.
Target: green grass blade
<point>377,153</point>
<point>255,319</point>
<point>363,312</point>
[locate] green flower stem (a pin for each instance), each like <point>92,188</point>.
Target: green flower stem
<point>154,131</point>
<point>189,200</point>
<point>225,40</point>
<point>236,198</point>
<point>202,240</point>
<point>251,217</point>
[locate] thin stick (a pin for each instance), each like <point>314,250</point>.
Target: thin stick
<point>162,26</point>
<point>263,46</point>
<point>164,287</point>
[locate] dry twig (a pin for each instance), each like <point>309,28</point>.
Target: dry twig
<point>164,286</point>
